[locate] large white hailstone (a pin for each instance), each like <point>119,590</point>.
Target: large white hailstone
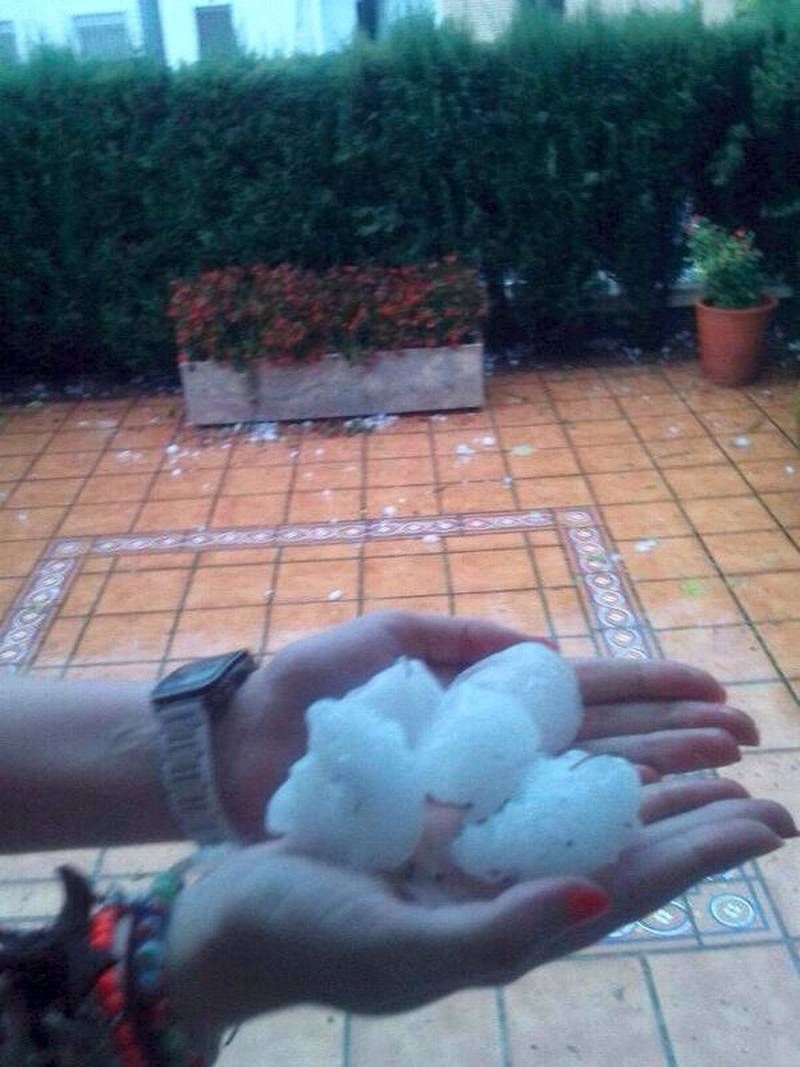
<point>572,815</point>
<point>545,683</point>
<point>488,743</point>
<point>406,692</point>
<point>356,797</point>
<point>478,748</point>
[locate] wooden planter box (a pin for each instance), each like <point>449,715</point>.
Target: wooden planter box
<point>415,379</point>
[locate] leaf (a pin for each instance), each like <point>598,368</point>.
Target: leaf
<point>692,587</point>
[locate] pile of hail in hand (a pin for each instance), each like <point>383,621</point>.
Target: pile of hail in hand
<point>493,745</point>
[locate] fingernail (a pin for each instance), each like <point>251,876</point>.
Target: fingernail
<point>773,846</point>
<point>747,721</point>
<point>586,903</point>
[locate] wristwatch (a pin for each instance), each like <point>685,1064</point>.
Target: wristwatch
<point>186,703</point>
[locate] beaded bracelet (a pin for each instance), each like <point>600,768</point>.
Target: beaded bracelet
<point>90,989</point>
<point>110,986</point>
<point>168,1045</point>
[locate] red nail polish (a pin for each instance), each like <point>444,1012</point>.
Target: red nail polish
<point>585,904</point>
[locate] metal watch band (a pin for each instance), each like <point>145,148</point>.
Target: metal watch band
<point>188,772</point>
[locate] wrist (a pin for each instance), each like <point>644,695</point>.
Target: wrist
<point>224,958</point>
<point>250,755</point>
<point>235,746</point>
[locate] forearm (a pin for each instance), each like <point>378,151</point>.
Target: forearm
<point>79,766</point>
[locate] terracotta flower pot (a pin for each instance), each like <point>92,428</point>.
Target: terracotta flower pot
<point>731,339</point>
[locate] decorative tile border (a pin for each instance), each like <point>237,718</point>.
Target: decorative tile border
<point>609,601</point>
<point>733,904</point>
<point>30,616</point>
<point>307,534</point>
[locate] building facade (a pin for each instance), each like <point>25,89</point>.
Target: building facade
<point>178,31</point>
<point>184,31</point>
<point>88,27</point>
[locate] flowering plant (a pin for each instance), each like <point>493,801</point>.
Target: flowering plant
<point>287,314</point>
<point>728,264</point>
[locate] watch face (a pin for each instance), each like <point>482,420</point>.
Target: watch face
<point>196,677</point>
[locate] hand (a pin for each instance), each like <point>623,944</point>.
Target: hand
<point>662,715</point>
<point>268,929</point>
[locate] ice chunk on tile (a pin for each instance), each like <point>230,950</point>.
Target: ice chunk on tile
<point>542,680</point>
<point>407,693</point>
<point>572,815</point>
<point>356,798</point>
<point>478,748</point>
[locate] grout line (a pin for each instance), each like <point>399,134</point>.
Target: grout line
<point>722,574</point>
<point>655,1003</point>
<point>626,468</point>
<point>786,937</point>
<point>361,562</point>
<point>124,411</point>
<point>276,563</point>
<point>529,548</point>
<point>609,544</point>
<point>191,571</point>
<point>745,621</point>
<point>347,1039</point>
<point>774,425</point>
<point>501,1015</point>
<point>106,576</point>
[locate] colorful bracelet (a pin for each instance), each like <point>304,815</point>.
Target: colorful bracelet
<point>109,989</point>
<point>91,989</point>
<point>167,1044</point>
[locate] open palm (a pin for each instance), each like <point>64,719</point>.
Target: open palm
<point>664,716</point>
<point>268,928</point>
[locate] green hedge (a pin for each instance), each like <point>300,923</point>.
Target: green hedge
<point>564,148</point>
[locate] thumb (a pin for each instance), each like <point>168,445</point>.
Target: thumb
<point>449,641</point>
<point>493,942</point>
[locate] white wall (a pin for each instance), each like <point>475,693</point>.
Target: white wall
<point>50,21</point>
<point>272,26</point>
<point>264,26</point>
<point>620,7</point>
<point>487,18</point>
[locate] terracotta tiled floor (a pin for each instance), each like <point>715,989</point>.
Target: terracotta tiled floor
<point>626,512</point>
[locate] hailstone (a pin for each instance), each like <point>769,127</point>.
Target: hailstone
<point>356,798</point>
<point>542,680</point>
<point>478,749</point>
<point>406,692</point>
<point>492,743</point>
<point>572,815</point>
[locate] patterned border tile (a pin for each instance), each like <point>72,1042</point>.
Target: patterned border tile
<point>701,918</point>
<point>613,614</point>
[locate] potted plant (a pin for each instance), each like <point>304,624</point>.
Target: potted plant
<point>734,310</point>
<point>287,343</point>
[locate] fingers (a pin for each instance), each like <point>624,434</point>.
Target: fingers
<point>684,794</point>
<point>609,681</point>
<point>489,942</point>
<point>650,876</point>
<point>448,641</point>
<point>609,720</point>
<point>672,751</point>
<point>666,867</point>
<point>647,775</point>
<point>771,814</point>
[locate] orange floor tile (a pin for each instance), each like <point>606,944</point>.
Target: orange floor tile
<point>622,510</point>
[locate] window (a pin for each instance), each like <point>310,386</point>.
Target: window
<point>8,43</point>
<point>215,36</point>
<point>103,36</point>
